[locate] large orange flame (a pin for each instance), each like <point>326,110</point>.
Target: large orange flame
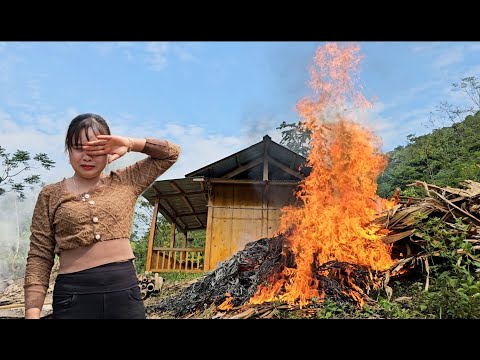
<point>339,196</point>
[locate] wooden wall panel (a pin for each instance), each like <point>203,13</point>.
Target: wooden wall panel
<point>247,216</point>
<point>207,263</point>
<point>221,231</point>
<point>241,213</point>
<point>278,197</point>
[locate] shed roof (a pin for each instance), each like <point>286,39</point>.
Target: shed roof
<point>184,201</point>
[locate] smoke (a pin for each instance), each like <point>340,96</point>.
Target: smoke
<point>257,124</point>
<point>287,82</point>
<point>15,220</point>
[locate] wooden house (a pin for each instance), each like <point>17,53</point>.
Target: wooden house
<point>236,199</point>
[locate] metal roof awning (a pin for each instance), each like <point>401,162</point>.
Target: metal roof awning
<point>182,202</point>
<point>250,163</point>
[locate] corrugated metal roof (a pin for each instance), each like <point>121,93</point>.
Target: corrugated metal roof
<point>280,155</point>
<point>184,201</point>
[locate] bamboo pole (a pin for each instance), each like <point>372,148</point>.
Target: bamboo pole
<point>148,264</point>
<point>18,305</point>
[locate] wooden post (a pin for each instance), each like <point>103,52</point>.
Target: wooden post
<point>172,243</point>
<point>209,231</point>
<point>264,224</point>
<point>266,140</point>
<point>148,265</point>
<point>182,255</point>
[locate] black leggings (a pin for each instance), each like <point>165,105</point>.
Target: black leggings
<point>104,292</point>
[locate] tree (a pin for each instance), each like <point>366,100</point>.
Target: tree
<point>446,114</point>
<point>14,165</point>
<point>11,167</point>
<point>471,87</point>
<point>296,137</point>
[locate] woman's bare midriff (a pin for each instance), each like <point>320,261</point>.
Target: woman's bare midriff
<point>97,254</point>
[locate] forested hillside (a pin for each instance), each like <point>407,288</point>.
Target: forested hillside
<point>446,157</point>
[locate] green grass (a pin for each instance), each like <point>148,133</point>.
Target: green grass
<point>179,276</point>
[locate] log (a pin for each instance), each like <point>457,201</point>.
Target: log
<point>244,315</point>
<point>158,283</point>
<point>11,306</point>
<point>19,305</point>
<point>218,315</point>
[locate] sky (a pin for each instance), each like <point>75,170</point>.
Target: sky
<point>211,98</point>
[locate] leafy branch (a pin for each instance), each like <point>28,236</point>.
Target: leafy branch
<point>12,165</point>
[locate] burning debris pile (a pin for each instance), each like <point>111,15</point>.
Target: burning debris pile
<point>234,285</point>
<point>235,282</point>
<point>236,279</point>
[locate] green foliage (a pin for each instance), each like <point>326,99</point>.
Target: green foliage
<point>296,137</point>
<point>13,165</point>
<point>455,289</point>
<point>139,248</point>
<point>449,245</point>
<point>180,276</point>
<point>394,310</point>
<point>141,232</point>
<point>407,308</point>
<point>453,297</point>
<point>329,310</point>
<point>446,157</point>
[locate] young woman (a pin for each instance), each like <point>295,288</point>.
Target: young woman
<point>86,220</point>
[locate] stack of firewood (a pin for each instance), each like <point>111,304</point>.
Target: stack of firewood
<point>149,284</point>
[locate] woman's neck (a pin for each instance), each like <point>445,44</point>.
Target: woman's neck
<point>82,184</point>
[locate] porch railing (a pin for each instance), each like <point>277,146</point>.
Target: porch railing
<point>165,259</point>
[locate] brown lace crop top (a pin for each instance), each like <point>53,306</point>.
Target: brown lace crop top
<point>64,221</point>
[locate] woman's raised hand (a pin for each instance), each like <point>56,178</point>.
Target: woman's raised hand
<point>113,145</point>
